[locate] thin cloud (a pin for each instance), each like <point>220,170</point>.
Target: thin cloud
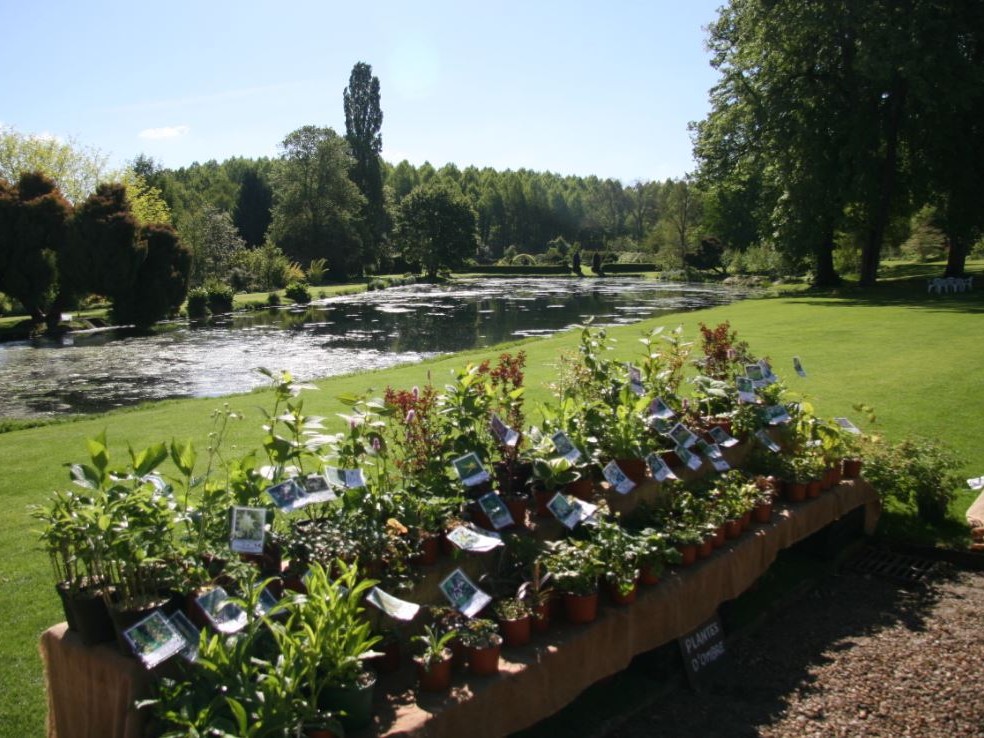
<point>156,134</point>
<point>222,96</point>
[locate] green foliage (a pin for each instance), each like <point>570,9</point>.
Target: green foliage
<point>436,228</point>
<point>214,242</point>
<point>197,303</point>
<point>316,206</point>
<point>316,271</point>
<point>254,201</point>
<point>298,292</point>
<point>917,471</point>
<point>75,168</point>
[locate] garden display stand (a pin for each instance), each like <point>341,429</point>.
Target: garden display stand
<point>91,690</point>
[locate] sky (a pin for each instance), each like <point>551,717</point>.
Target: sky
<point>576,88</point>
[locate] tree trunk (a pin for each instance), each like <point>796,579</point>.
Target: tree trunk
<point>956,257</point>
<point>871,253</point>
<point>826,275</point>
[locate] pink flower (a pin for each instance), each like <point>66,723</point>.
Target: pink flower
<point>411,415</point>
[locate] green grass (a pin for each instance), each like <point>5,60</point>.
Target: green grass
<point>913,357</point>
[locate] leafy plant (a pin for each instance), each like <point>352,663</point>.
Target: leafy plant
<point>916,471</point>
<point>574,565</point>
<point>480,633</point>
<point>434,644</point>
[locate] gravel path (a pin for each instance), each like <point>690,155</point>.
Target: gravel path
<point>856,656</point>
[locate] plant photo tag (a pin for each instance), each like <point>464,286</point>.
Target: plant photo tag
<point>767,374</point>
<point>766,440</point>
<point>848,426</point>
<point>658,468</point>
<point>798,366</point>
<point>393,606</point>
<point>317,488</point>
<point>288,495</point>
<point>689,459</point>
<point>474,540</point>
<point>635,381</point>
<point>777,415</point>
<point>616,477</point>
<point>564,511</point>
<point>564,446</point>
<point>154,639</point>
<point>505,435</point>
<point>180,622</point>
<point>463,595</point>
<point>223,614</point>
<point>496,510</point>
<point>754,373</point>
<point>266,602</point>
<point>746,390</point>
<point>722,437</point>
<point>470,470</point>
<point>659,409</point>
<point>345,478</point>
<point>248,530</point>
<point>976,483</point>
<point>682,435</point>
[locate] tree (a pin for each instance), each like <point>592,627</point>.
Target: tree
<point>74,168</point>
<point>161,283</point>
<point>363,121</point>
<point>213,241</point>
<point>33,227</point>
<point>680,209</point>
<point>253,203</point>
<point>146,201</point>
<point>436,228</point>
<point>316,206</point>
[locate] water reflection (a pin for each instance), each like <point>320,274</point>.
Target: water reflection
<point>95,371</point>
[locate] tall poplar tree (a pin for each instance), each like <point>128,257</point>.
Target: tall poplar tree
<point>363,121</point>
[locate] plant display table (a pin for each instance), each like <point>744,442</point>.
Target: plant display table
<point>91,690</point>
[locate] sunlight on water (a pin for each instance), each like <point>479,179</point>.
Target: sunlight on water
<point>99,370</point>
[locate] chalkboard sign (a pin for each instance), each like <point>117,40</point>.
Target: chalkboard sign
<point>702,649</point>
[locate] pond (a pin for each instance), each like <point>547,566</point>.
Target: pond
<point>94,371</point>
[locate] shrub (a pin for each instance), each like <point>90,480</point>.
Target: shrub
<point>917,470</point>
<point>198,303</point>
<point>316,271</point>
<point>273,299</point>
<point>298,292</point>
<point>220,297</point>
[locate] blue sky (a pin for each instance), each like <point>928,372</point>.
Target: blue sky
<point>570,87</point>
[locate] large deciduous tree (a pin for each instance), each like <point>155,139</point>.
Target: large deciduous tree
<point>363,121</point>
<point>75,168</point>
<point>436,228</point>
<point>316,206</point>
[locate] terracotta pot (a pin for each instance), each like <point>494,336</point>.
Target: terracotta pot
<point>429,549</point>
<point>517,508</point>
<point>634,469</point>
<point>688,553</point>
<point>435,676</point>
<point>762,513</point>
<point>541,497</point>
<point>516,632</point>
<point>580,609</point>
<point>647,576</point>
<point>746,520</point>
<point>732,529</point>
<point>671,459</point>
<point>389,662</point>
<point>459,653</point>
<point>484,661</point>
<point>836,475</point>
<point>720,535</point>
<point>852,468</point>
<point>582,489</point>
<point>794,491</point>
<point>813,488</point>
<point>705,549</point>
<point>618,598</point>
<point>540,620</point>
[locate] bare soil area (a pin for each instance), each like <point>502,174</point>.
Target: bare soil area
<point>857,655</point>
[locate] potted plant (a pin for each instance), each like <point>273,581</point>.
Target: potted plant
<point>619,552</point>
<point>434,660</point>
<point>537,593</point>
<point>514,616</point>
<point>335,635</point>
<point>653,552</point>
<point>483,644</point>
<point>575,566</point>
<point>550,476</point>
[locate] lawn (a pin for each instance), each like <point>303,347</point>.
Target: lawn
<point>911,356</point>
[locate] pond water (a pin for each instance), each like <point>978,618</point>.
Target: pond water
<point>99,370</point>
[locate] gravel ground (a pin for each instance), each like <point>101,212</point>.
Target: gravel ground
<point>856,656</point>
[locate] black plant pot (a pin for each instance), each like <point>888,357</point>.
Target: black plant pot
<point>91,616</point>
